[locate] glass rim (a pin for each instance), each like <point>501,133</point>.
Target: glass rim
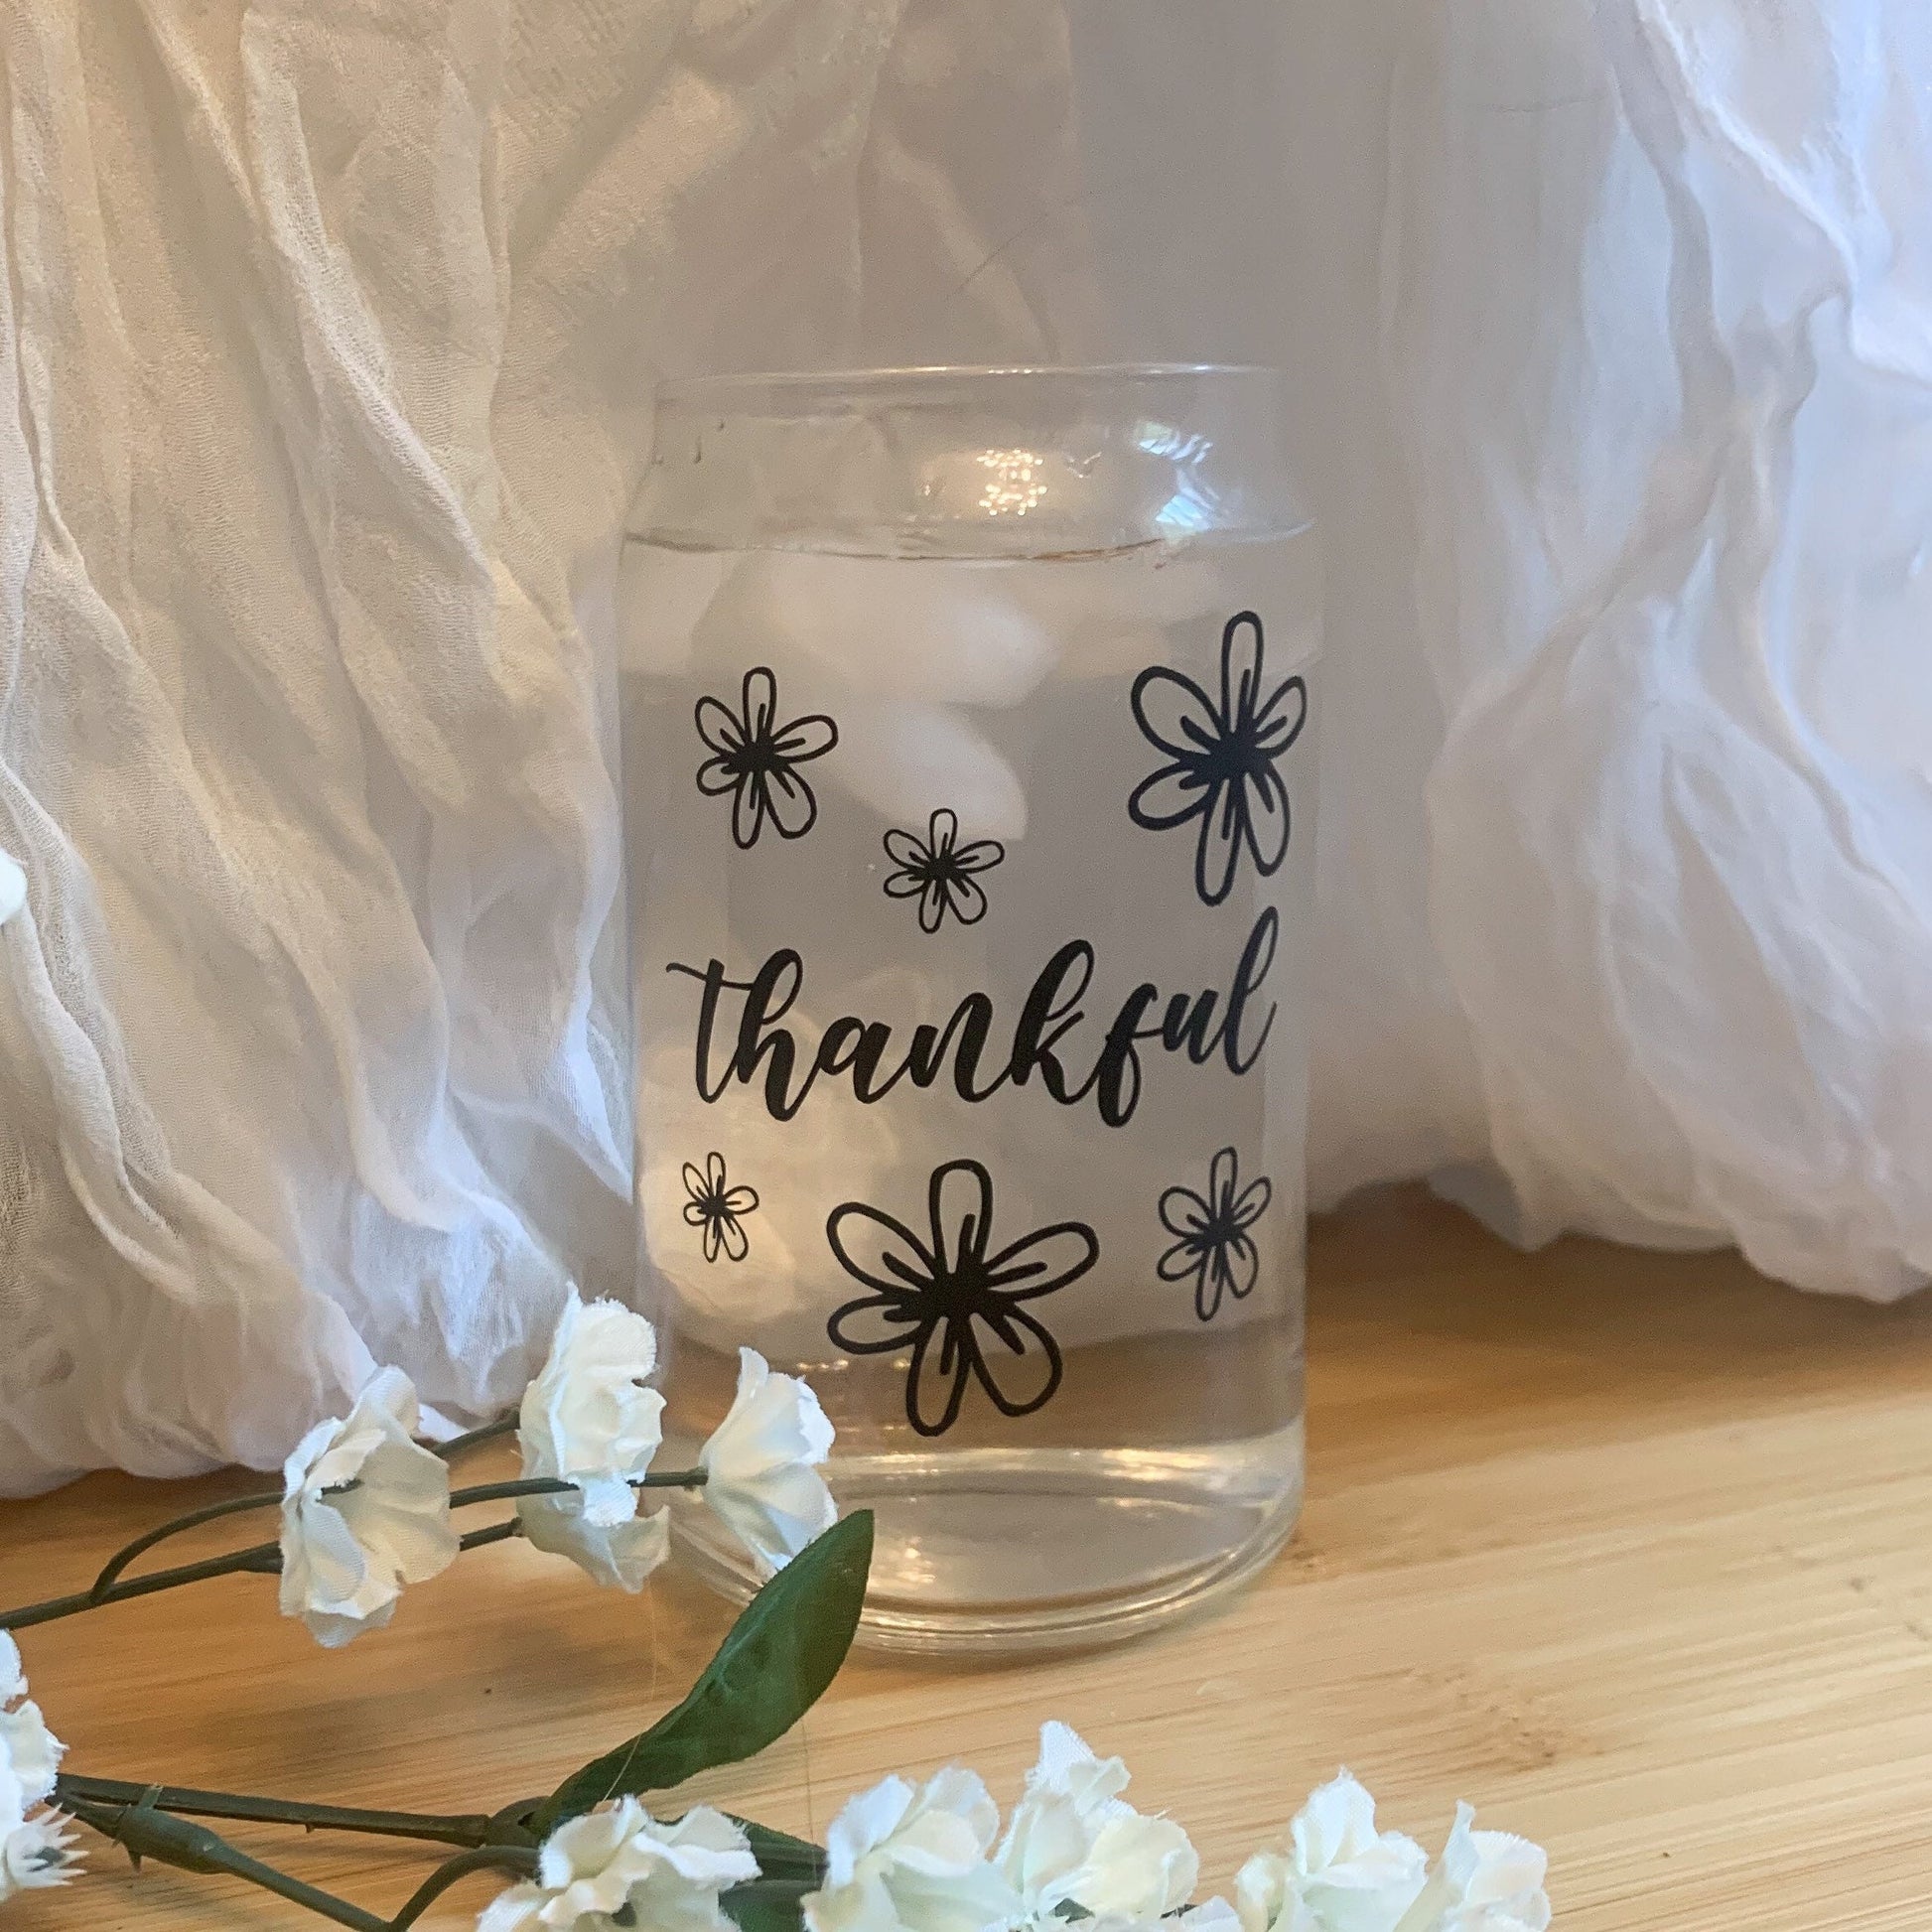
<point>912,378</point>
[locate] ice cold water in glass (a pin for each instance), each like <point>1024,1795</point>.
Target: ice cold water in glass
<point>970,776</point>
<point>970,929</point>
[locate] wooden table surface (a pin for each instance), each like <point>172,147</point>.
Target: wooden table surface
<point>1630,1549</point>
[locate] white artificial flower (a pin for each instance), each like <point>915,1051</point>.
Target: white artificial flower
<point>1339,1874</point>
<point>36,1854</point>
<point>1484,1882</point>
<point>12,887</point>
<point>30,1754</point>
<point>366,1509</point>
<point>620,1557</point>
<point>618,1865</point>
<point>900,1859</point>
<point>1212,1915</point>
<point>761,1464</point>
<point>30,1760</point>
<point>588,1420</point>
<point>1074,1839</point>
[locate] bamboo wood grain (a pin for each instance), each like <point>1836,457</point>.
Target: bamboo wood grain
<point>1630,1549</point>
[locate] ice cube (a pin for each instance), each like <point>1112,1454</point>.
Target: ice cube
<point>1156,585</point>
<point>951,632</point>
<point>905,760</point>
<point>1112,647</point>
<point>663,593</point>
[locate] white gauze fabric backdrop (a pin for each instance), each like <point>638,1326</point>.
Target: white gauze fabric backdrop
<point>327,342</point>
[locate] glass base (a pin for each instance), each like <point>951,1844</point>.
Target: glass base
<point>988,1551</point>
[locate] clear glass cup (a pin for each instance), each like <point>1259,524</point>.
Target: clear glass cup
<point>970,780</point>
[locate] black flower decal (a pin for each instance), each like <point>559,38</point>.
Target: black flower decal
<point>938,871</point>
<point>718,1209</point>
<point>957,1308</point>
<point>1214,1246</point>
<point>1223,759</point>
<point>756,760</point>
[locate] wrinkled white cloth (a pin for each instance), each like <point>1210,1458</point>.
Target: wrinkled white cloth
<point>327,347</point>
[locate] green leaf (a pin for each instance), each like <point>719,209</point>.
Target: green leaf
<point>766,1904</point>
<point>781,1855</point>
<point>789,1867</point>
<point>774,1664</point>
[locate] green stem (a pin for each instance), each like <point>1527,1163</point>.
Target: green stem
<point>263,1558</point>
<point>195,1518</point>
<point>496,1533</point>
<point>103,1590</point>
<point>502,1493</point>
<point>150,1834</point>
<point>110,1587</point>
<point>522,1861</point>
<point>469,1829</point>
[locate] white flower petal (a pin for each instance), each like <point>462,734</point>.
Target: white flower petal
<point>620,1859</point>
<point>305,1459</point>
<point>968,1901</point>
<point>866,1822</point>
<point>1339,1872</point>
<point>1211,1915</point>
<point>387,1404</point>
<point>588,1417</point>
<point>30,1754</point>
<point>12,887</point>
<point>857,1905</point>
<point>935,1845</point>
<point>1338,1820</point>
<point>36,1854</point>
<point>608,1500</point>
<point>1484,1882</point>
<point>1261,1894</point>
<point>960,1794</point>
<point>1074,1839</point>
<point>520,1909</point>
<point>618,1557</point>
<point>705,1848</point>
<point>13,1674</point>
<point>365,1510</point>
<point>761,1464</point>
<point>1067,1764</point>
<point>584,1846</point>
<point>915,1861</point>
<point>1142,1866</point>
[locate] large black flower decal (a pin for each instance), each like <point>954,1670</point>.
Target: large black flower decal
<point>1222,759</point>
<point>718,1209</point>
<point>1215,1247</point>
<point>938,871</point>
<point>756,759</point>
<point>959,1309</point>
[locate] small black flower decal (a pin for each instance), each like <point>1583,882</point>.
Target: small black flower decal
<point>1223,759</point>
<point>718,1209</point>
<point>1215,1247</point>
<point>756,760</point>
<point>938,871</point>
<point>959,1309</point>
